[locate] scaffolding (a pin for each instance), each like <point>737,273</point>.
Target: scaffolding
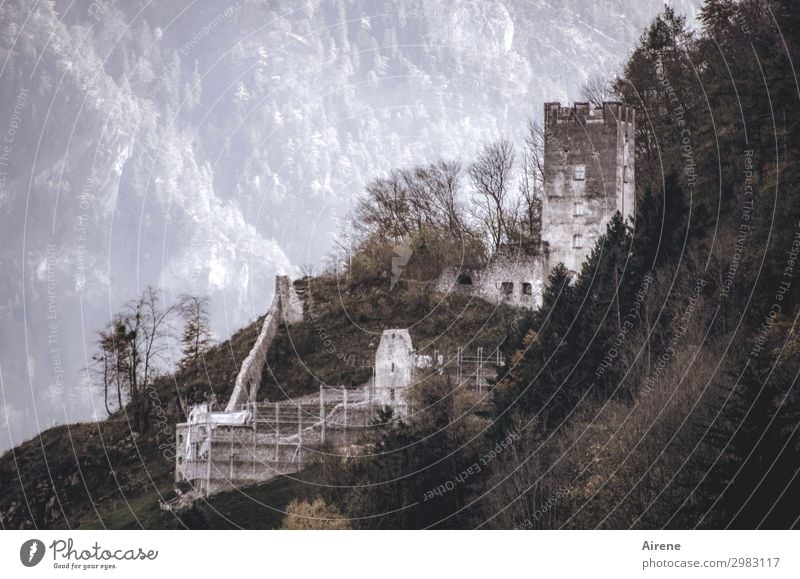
<point>271,438</point>
<point>277,438</point>
<point>473,371</point>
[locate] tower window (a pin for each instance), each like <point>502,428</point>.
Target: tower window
<point>464,279</point>
<point>527,289</point>
<point>625,176</point>
<point>579,172</point>
<point>577,241</point>
<point>506,288</point>
<point>579,209</point>
<point>392,366</point>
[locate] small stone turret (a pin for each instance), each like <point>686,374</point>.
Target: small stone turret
<point>394,368</point>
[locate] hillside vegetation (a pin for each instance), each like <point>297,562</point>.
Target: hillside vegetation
<point>110,474</point>
<point>76,475</point>
<point>657,388</point>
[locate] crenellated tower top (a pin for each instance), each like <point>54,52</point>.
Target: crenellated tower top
<point>610,113</point>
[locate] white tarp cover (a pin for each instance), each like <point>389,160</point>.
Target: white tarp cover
<point>197,433</point>
<point>201,415</point>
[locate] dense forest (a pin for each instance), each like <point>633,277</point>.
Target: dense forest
<point>655,388</point>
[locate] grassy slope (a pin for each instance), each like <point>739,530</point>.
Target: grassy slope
<point>258,507</point>
<point>75,485</point>
<point>337,341</point>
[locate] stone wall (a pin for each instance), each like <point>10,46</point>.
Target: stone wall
<point>291,304</point>
<point>588,176</point>
<point>515,275</point>
<point>286,307</point>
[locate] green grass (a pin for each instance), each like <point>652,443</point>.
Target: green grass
<point>256,507</point>
<point>141,512</point>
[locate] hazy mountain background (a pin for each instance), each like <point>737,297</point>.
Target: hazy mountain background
<point>205,146</point>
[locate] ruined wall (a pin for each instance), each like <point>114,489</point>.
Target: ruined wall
<point>219,451</point>
<point>588,176</point>
<point>286,307</point>
<point>515,276</point>
<point>394,368</point>
<point>291,305</point>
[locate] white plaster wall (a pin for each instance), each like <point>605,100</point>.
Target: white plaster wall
<point>394,367</point>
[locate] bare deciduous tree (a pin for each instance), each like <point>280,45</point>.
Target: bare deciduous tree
<point>441,181</point>
<point>385,210</point>
<point>493,206</point>
<point>531,183</point>
<point>132,352</point>
<point>598,89</point>
<point>410,201</point>
<point>109,365</point>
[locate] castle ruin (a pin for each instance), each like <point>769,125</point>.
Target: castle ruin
<point>252,442</point>
<point>589,175</point>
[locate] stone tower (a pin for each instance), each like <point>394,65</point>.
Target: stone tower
<point>588,176</point>
<point>394,368</point>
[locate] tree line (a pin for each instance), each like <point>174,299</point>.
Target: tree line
<point>142,342</point>
<point>467,211</point>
